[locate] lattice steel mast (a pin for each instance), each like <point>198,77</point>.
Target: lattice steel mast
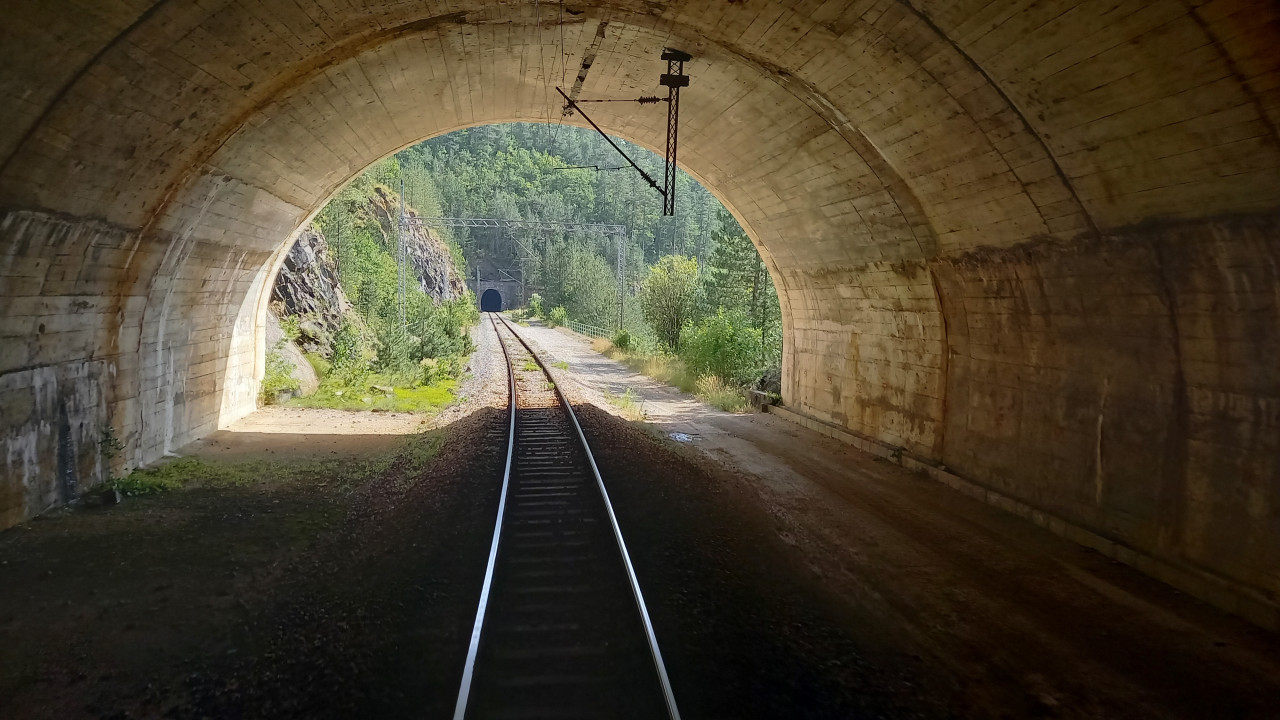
<point>673,80</point>
<point>402,273</point>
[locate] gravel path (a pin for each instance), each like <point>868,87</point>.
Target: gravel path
<point>787,576</point>
<point>1006,619</point>
<point>594,377</point>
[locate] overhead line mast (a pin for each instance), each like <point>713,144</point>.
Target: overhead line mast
<point>673,80</point>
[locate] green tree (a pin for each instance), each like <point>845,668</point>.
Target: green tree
<point>583,283</point>
<point>669,297</point>
<point>736,279</point>
<point>724,345</point>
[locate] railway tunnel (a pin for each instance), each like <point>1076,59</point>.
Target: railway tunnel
<point>1033,243</point>
<point>491,301</point>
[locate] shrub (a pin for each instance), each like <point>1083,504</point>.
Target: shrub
<point>622,340</point>
<point>724,345</point>
<point>432,372</point>
<point>535,305</point>
<point>557,317</point>
<point>291,326</point>
<point>435,370</point>
<point>279,374</point>
<point>351,355</point>
<point>668,297</point>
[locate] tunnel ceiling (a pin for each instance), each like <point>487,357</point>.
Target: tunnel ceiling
<point>1033,242</point>
<point>871,130</point>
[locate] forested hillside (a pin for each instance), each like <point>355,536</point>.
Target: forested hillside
<point>725,320</point>
<point>697,298</point>
<point>549,172</point>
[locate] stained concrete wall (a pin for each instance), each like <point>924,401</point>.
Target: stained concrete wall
<point>508,289</point>
<point>1033,241</point>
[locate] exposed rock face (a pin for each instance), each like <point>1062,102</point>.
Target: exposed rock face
<point>428,255</point>
<point>308,287</point>
<point>306,376</point>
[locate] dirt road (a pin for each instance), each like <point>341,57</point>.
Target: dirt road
<point>335,576</point>
<point>1019,622</point>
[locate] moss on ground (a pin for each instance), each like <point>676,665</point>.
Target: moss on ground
<point>421,398</point>
<point>342,474</point>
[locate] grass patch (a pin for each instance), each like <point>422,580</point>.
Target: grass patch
<point>319,363</point>
<point>672,371</point>
<point>629,404</point>
<point>717,393</point>
<point>560,364</point>
<point>420,398</point>
<point>344,474</point>
<point>668,369</point>
<point>530,366</point>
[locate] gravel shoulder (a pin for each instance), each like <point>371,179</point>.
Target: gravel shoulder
<point>994,616</point>
<point>337,580</point>
<point>787,576</point>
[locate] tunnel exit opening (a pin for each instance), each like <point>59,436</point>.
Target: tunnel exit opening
<point>491,301</point>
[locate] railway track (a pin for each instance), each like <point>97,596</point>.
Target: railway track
<point>561,629</point>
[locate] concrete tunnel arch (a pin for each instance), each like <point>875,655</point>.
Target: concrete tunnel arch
<point>1037,248</point>
<point>491,301</point>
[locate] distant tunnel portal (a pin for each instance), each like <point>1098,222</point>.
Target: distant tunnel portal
<point>491,301</point>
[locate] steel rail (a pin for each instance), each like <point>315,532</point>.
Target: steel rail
<point>468,671</point>
<point>661,668</point>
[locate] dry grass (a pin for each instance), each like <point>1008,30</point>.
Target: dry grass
<point>629,404</point>
<point>671,370</point>
<point>667,369</point>
<point>715,392</point>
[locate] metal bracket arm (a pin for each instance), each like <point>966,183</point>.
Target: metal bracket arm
<point>652,183</point>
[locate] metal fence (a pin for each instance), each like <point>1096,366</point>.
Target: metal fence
<point>584,329</point>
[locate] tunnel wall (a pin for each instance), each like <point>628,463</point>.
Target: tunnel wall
<point>1116,382</point>
<point>1033,242</point>
<point>1112,383</point>
<point>103,335</point>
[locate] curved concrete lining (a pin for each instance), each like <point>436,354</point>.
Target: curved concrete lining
<point>1034,242</point>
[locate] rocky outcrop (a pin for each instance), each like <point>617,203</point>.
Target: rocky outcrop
<point>308,287</point>
<point>303,372</point>
<point>428,255</point>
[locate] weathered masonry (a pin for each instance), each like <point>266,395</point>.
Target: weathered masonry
<point>1037,242</point>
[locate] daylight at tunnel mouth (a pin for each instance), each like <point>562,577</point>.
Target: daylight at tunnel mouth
<point>688,358</point>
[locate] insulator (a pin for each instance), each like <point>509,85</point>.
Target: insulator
<point>650,100</point>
